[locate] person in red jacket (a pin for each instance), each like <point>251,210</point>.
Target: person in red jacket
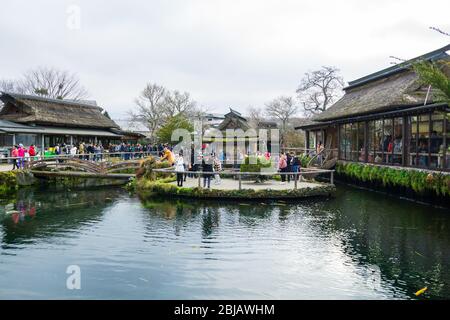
<point>32,151</point>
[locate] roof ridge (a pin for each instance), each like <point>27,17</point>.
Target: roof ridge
<point>431,56</point>
<point>50,100</point>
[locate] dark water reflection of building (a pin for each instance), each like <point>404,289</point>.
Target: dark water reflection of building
<point>59,212</point>
<point>407,242</point>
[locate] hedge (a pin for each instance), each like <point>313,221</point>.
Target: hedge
<point>421,182</point>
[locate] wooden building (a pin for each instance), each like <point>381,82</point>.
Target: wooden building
<point>247,143</point>
<point>388,117</point>
<point>47,122</point>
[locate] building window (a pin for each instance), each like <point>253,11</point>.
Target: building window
<point>371,141</point>
<point>437,141</point>
<point>397,149</point>
<point>26,139</point>
<point>447,141</point>
<point>388,143</point>
<point>378,141</point>
<point>361,144</point>
<point>423,151</point>
<point>6,140</point>
<point>413,141</point>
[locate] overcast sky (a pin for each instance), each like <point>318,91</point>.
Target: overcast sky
<point>225,53</point>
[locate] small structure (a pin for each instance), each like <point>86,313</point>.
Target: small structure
<point>389,118</point>
<point>249,139</point>
<point>46,122</point>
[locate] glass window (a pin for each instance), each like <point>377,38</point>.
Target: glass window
<point>447,142</point>
<point>361,145</point>
<point>378,142</point>
<point>388,143</point>
<point>6,140</point>
<point>424,137</point>
<point>397,156</point>
<point>353,141</point>
<point>371,141</point>
<point>26,139</point>
<point>413,142</point>
<point>342,141</point>
<point>437,141</point>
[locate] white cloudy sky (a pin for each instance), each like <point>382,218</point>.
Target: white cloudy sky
<point>225,53</point>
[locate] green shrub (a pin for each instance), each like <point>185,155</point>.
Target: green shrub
<point>8,182</point>
<point>418,181</point>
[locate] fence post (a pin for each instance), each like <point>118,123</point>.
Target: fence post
<point>199,181</point>
<point>240,182</point>
<point>332,177</point>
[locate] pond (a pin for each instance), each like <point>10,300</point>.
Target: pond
<point>358,245</point>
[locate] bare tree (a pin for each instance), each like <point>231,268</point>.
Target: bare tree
<point>150,107</point>
<point>319,89</point>
<point>52,83</point>
<point>7,85</point>
<point>282,109</point>
<point>440,31</point>
<point>179,103</point>
<point>256,116</point>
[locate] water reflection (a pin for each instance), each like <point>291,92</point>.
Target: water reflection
<point>360,245</point>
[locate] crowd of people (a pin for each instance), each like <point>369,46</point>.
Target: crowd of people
<point>84,150</point>
<point>190,164</point>
<point>186,164</point>
<point>20,154</point>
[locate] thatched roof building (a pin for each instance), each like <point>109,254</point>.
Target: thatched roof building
<point>44,111</point>
<point>47,122</point>
<point>394,88</point>
<point>385,111</point>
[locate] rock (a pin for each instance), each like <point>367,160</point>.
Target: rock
<point>25,178</point>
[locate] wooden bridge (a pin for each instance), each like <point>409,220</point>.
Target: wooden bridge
<point>75,167</point>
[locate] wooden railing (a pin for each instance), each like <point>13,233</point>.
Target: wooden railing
<point>299,176</point>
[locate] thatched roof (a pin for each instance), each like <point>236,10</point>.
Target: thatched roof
<point>393,88</point>
<point>44,111</point>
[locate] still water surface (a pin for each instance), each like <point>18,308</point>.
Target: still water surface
<point>359,245</point>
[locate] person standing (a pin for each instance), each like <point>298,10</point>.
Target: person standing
<point>179,169</point>
<point>289,166</point>
<point>282,165</point>
<point>21,154</point>
<point>217,169</point>
<point>207,167</point>
<point>15,155</point>
<point>32,151</point>
<point>295,165</point>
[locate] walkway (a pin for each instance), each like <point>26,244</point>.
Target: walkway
<point>230,184</point>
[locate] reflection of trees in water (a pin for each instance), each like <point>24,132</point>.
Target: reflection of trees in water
<point>410,243</point>
<point>47,214</point>
<point>183,211</point>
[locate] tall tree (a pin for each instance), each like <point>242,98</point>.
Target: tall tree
<point>7,85</point>
<point>435,74</point>
<point>179,103</point>
<point>179,121</point>
<point>319,89</point>
<point>150,107</point>
<point>256,116</point>
<point>282,109</point>
<point>53,83</point>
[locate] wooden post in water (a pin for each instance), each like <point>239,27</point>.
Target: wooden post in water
<point>332,177</point>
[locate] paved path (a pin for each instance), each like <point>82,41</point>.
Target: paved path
<point>230,184</point>
<point>5,167</point>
